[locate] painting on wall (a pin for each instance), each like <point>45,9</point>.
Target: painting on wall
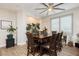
<point>5,24</point>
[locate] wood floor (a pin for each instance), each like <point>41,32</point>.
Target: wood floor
<point>22,51</point>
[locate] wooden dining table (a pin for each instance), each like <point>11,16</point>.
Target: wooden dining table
<point>41,37</point>
<point>41,41</point>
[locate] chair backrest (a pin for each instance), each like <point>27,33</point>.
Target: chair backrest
<point>59,41</point>
<point>30,38</point>
<point>59,36</point>
<point>52,48</point>
<point>54,32</point>
<point>53,41</point>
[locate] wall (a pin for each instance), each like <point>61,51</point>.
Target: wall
<point>9,16</point>
<point>19,20</point>
<point>23,18</point>
<point>75,13</point>
<point>32,20</point>
<point>21,28</point>
<point>46,23</point>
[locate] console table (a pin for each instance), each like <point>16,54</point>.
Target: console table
<point>10,43</point>
<point>77,45</point>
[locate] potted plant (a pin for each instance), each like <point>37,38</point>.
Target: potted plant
<point>28,28</point>
<point>33,28</point>
<point>11,31</point>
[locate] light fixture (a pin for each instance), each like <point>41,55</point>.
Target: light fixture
<point>50,9</point>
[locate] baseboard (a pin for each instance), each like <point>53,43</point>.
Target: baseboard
<point>21,43</point>
<point>4,45</point>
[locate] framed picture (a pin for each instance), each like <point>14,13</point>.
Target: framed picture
<point>5,24</point>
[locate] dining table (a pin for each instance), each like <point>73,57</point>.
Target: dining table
<point>42,41</point>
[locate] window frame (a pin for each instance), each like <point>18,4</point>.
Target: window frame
<point>71,14</point>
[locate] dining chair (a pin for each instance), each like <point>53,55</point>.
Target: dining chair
<point>54,32</point>
<point>31,46</point>
<point>53,44</point>
<point>42,42</point>
<point>51,48</point>
<point>59,41</point>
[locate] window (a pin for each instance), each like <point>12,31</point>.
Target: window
<point>66,24</point>
<point>62,24</point>
<point>55,24</point>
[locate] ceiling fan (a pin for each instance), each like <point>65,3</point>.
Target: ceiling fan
<point>49,7</point>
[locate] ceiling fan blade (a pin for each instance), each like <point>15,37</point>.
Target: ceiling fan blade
<point>44,4</point>
<point>58,4</point>
<point>40,8</point>
<point>43,11</point>
<point>59,9</point>
<point>47,13</point>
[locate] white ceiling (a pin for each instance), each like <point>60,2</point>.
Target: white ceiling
<point>30,7</point>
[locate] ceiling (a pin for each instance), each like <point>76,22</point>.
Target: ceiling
<point>30,7</point>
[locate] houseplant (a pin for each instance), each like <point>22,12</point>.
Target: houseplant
<point>28,28</point>
<point>10,41</point>
<point>11,31</point>
<point>33,28</point>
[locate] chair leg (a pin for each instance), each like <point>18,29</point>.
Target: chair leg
<point>32,52</point>
<point>53,53</point>
<point>28,52</point>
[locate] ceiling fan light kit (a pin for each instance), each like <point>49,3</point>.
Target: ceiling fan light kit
<point>49,7</point>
